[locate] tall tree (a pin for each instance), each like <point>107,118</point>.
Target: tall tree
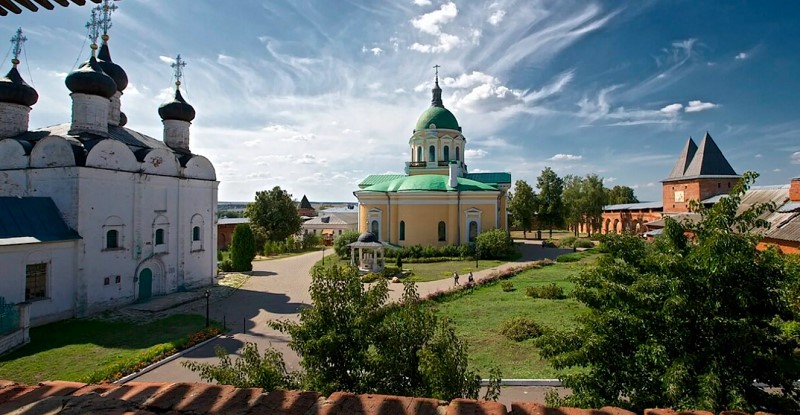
<point>594,198</point>
<point>618,195</point>
<point>243,248</point>
<point>275,213</point>
<point>551,207</point>
<point>523,206</point>
<point>572,197</point>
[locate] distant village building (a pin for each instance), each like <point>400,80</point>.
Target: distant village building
<point>437,202</point>
<point>333,222</point>
<point>305,208</point>
<point>94,215</point>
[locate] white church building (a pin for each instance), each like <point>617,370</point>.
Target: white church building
<point>94,215</point>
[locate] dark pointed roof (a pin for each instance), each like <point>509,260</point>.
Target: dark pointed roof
<point>684,159</point>
<point>305,204</point>
<point>705,162</point>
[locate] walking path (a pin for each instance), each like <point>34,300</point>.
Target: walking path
<point>276,290</point>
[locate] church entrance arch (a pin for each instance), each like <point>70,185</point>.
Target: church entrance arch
<point>145,284</point>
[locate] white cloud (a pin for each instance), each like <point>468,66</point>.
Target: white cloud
<point>422,2</point>
<point>375,51</point>
<point>758,156</point>
<point>497,17</point>
<point>166,59</point>
<point>742,56</point>
<point>565,157</point>
<point>651,184</point>
<point>609,179</point>
<point>475,154</point>
<point>776,170</point>
<point>796,157</point>
<point>447,42</point>
<point>672,109</point>
<point>431,22</point>
<point>697,106</point>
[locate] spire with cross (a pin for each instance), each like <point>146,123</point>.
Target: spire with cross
<point>178,66</point>
<point>104,11</point>
<point>93,26</point>
<point>436,68</point>
<point>437,92</point>
<point>16,43</point>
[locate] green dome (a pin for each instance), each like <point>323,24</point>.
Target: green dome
<point>428,183</point>
<point>439,116</point>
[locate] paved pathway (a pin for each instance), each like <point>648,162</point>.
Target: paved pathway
<point>276,290</point>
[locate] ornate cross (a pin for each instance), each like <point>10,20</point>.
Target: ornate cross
<point>436,67</point>
<point>93,26</point>
<point>178,67</point>
<point>17,42</point>
<point>105,16</point>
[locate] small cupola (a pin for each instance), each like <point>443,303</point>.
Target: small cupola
<point>16,96</point>
<point>177,114</point>
<point>91,90</point>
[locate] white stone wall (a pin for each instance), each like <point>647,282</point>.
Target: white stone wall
<point>13,119</point>
<point>90,114</point>
<point>176,134</point>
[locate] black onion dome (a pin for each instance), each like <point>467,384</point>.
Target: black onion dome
<point>123,119</point>
<point>14,90</point>
<point>112,69</point>
<point>177,109</point>
<point>90,79</point>
<point>367,237</point>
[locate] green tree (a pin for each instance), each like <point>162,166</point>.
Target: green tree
<point>243,248</point>
<point>251,370</point>
<point>494,244</point>
<point>618,195</point>
<point>341,242</point>
<point>551,207</point>
<point>275,213</point>
<point>523,206</point>
<point>572,198</point>
<point>686,323</point>
<point>594,199</point>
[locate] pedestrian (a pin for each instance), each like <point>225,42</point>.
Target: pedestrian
<point>455,277</point>
<point>470,278</point>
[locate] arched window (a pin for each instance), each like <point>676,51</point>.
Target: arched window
<point>419,153</point>
<point>402,230</point>
<point>197,226</point>
<point>112,239</point>
<point>458,154</point>
<point>159,237</point>
<point>160,227</point>
<point>432,153</point>
<point>196,233</point>
<point>442,231</point>
<point>473,231</point>
<point>446,153</point>
<point>375,229</point>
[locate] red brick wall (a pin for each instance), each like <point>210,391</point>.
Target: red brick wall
<point>787,247</point>
<point>224,235</point>
<point>626,220</point>
<point>794,190</point>
<point>697,189</point>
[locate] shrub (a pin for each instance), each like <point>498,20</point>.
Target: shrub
<point>225,266</point>
<point>549,244</point>
<point>219,256</point>
<point>571,257</point>
<point>583,243</point>
<point>545,262</point>
<point>243,248</point>
<point>521,329</point>
<point>494,244</point>
<point>389,272</point>
<point>371,277</point>
<point>399,262</point>
<point>550,292</point>
<point>311,240</point>
<point>341,242</point>
<point>507,286</point>
<point>252,370</point>
<point>568,241</point>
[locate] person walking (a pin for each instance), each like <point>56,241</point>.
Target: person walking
<point>470,278</point>
<point>455,277</point>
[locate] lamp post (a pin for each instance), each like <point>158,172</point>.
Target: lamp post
<point>323,252</point>
<point>477,254</point>
<point>208,296</point>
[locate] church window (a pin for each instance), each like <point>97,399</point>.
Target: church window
<point>442,231</point>
<point>159,237</point>
<point>419,153</point>
<point>112,239</point>
<point>446,154</point>
<point>195,234</point>
<point>432,153</point>
<point>35,281</point>
<point>473,231</point>
<point>458,154</point>
<point>402,230</point>
<point>375,229</point>
<point>160,226</point>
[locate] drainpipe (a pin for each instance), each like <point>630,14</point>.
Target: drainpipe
<point>458,217</point>
<point>388,218</point>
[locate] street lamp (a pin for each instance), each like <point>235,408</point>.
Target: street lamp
<point>477,254</point>
<point>208,296</point>
<point>323,253</point>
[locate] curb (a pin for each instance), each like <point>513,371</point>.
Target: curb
<point>555,383</point>
<point>132,376</point>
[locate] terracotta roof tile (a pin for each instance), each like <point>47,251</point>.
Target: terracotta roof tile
<point>285,402</point>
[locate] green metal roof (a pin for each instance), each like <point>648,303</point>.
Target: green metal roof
<point>429,183</point>
<point>493,178</point>
<point>378,178</point>
<point>439,116</point>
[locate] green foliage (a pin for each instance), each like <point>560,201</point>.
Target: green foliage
<point>520,329</point>
<point>494,244</point>
<point>350,340</point>
<point>584,199</point>
<point>686,324</point>
<point>275,213</point>
<point>571,257</point>
<point>433,251</point>
<point>575,242</point>
<point>507,286</point>
<point>370,277</point>
<point>220,257</point>
<point>493,387</point>
<point>523,206</point>
<point>311,240</point>
<point>549,292</point>
<point>225,265</point>
<point>551,206</point>
<point>583,243</point>
<point>243,248</point>
<point>251,370</point>
<point>399,262</point>
<point>389,272</point>
<point>341,242</point>
<point>618,195</point>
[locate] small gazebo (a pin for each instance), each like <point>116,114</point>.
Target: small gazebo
<point>370,253</point>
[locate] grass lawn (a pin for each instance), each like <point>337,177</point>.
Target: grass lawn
<point>431,271</point>
<point>479,316</point>
<point>84,350</point>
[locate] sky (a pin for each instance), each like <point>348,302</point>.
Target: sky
<point>313,96</point>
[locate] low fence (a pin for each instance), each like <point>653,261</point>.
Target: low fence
<point>14,325</point>
<point>9,317</point>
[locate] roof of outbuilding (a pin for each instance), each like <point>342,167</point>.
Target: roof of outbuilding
<point>26,220</point>
<point>493,178</point>
<point>634,206</point>
<point>378,178</point>
<point>706,161</point>
<point>429,183</point>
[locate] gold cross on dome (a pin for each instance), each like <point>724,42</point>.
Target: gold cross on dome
<point>93,26</point>
<point>104,11</point>
<point>178,66</point>
<point>17,42</point>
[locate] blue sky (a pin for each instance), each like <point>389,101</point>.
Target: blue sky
<point>313,96</point>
